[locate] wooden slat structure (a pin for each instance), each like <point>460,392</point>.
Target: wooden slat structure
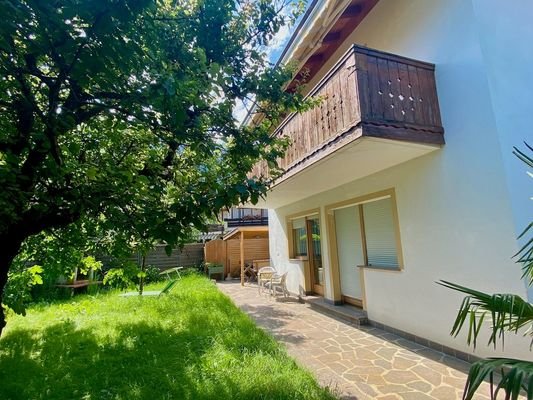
<point>239,246</point>
<point>190,255</point>
<point>215,252</point>
<point>339,19</point>
<point>367,93</point>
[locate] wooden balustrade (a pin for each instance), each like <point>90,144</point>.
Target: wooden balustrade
<point>366,93</point>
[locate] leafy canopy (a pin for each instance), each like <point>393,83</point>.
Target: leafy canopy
<point>111,105</point>
<point>114,111</point>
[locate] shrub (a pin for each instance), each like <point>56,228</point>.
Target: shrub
<point>17,294</point>
<point>123,276</point>
<point>153,274</point>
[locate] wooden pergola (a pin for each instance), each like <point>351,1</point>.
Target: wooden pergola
<point>243,233</point>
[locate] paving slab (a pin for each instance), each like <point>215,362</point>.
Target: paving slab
<point>356,361</point>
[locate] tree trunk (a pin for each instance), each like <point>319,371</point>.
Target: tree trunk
<point>10,248</point>
<point>141,279</point>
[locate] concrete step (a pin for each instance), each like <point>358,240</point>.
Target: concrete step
<point>346,312</point>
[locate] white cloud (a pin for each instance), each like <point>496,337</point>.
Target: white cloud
<point>279,40</point>
<point>240,111</point>
<point>272,52</point>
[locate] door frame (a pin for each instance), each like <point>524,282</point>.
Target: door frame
<point>308,283</point>
<point>334,261</point>
<point>317,287</point>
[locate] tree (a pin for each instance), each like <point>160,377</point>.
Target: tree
<point>508,313</point>
<point>111,105</point>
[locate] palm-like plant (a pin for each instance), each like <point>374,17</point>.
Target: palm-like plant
<point>507,313</point>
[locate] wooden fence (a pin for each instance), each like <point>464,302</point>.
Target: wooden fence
<point>192,254</point>
<point>215,252</point>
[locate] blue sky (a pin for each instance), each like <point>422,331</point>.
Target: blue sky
<point>273,53</point>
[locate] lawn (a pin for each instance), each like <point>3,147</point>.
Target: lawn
<point>191,344</point>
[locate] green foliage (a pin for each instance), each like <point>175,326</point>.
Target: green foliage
<point>18,292</point>
<point>122,277</point>
<point>193,343</point>
<point>517,376</point>
<point>116,116</point>
<point>93,289</point>
<point>114,107</point>
<point>507,313</point>
<point>152,274</point>
<point>525,254</point>
<point>89,264</point>
<point>193,270</point>
<point>59,255</point>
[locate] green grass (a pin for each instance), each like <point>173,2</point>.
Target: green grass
<point>191,344</point>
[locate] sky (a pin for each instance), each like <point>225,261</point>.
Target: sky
<point>273,53</point>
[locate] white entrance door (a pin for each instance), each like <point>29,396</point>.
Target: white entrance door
<point>350,252</point>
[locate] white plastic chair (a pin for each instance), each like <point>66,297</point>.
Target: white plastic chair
<point>278,281</point>
<point>264,275</point>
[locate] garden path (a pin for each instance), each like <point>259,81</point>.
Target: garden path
<point>356,362</point>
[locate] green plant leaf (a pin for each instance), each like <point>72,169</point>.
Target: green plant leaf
<point>516,377</point>
<point>508,312</point>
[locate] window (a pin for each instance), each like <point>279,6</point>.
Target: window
<point>379,234</point>
<point>367,230</point>
<point>299,238</point>
<point>304,235</point>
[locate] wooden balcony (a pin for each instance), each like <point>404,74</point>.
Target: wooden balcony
<point>246,217</point>
<point>368,93</point>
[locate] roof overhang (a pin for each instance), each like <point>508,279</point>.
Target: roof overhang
<point>249,231</point>
<point>323,29</point>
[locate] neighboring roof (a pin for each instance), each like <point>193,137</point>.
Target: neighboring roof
<point>248,229</point>
<point>209,235</point>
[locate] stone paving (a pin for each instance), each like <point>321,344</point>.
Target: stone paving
<point>356,362</point>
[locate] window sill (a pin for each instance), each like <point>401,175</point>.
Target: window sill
<point>302,258</point>
<point>381,268</point>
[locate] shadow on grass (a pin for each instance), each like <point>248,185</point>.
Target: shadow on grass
<point>195,346</point>
<point>63,362</point>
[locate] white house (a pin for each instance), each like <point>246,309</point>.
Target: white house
<point>404,175</point>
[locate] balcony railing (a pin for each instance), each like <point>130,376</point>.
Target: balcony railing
<point>246,217</point>
<point>366,93</point>
<point>252,221</point>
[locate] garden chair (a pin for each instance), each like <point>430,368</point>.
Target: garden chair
<point>167,288</point>
<point>278,281</point>
<point>170,271</point>
<point>264,275</point>
<point>250,273</point>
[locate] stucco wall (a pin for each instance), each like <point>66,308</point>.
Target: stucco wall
<point>455,215</point>
<point>505,40</point>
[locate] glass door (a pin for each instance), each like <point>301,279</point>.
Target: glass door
<point>315,255</point>
<point>350,253</point>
